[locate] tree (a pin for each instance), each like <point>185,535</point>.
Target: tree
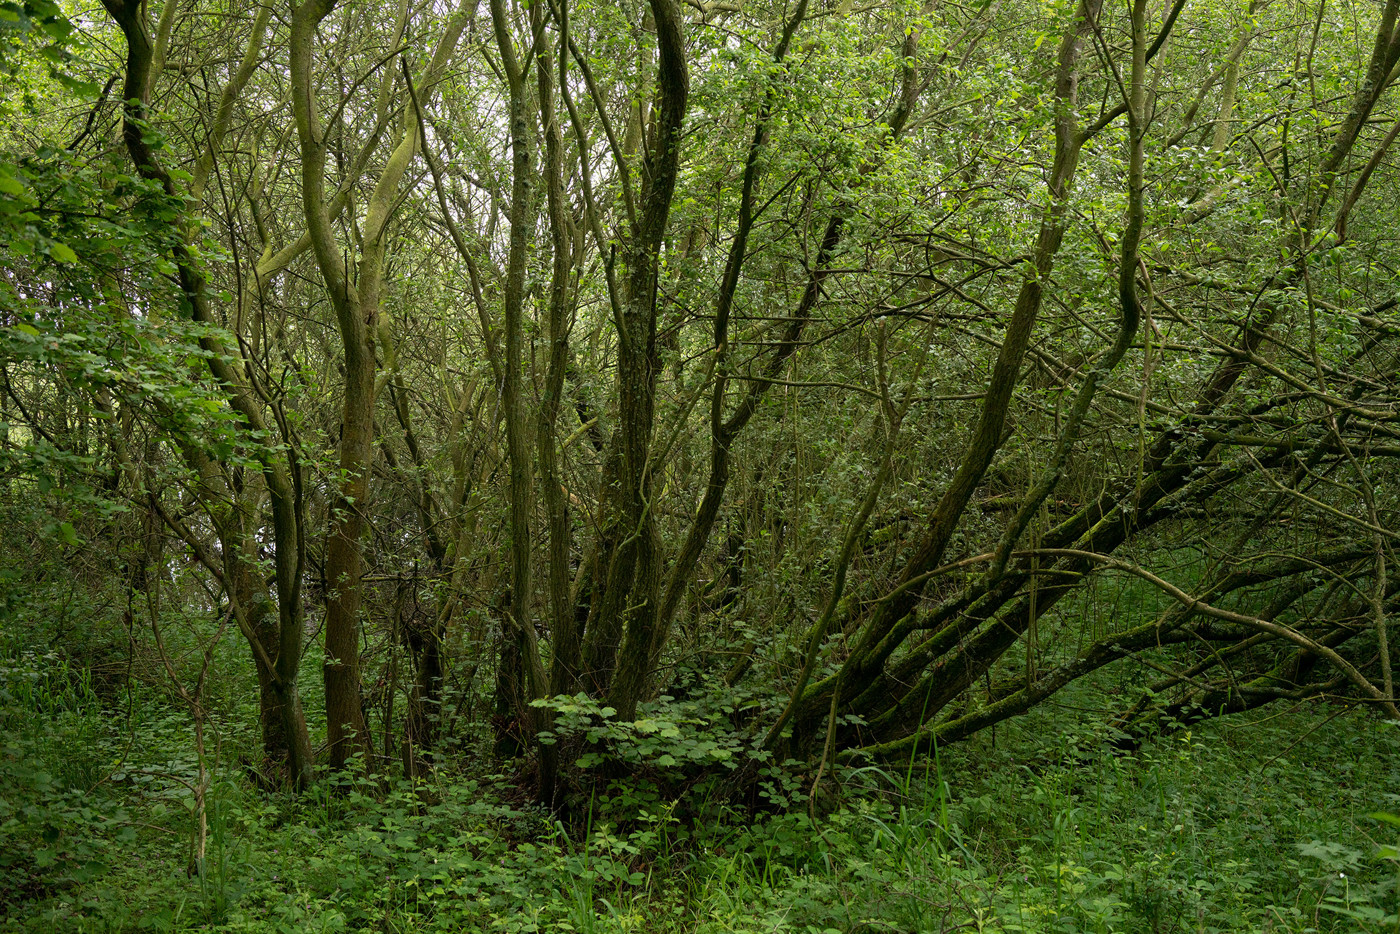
<point>804,353</point>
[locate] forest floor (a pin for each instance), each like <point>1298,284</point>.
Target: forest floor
<point>1275,822</point>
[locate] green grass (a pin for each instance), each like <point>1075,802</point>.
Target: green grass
<point>1255,825</point>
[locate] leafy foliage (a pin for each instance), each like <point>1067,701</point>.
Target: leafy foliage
<point>698,466</point>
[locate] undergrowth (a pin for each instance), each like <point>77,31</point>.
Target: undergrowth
<point>1264,824</point>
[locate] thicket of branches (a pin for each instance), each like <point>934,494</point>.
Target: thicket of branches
<point>844,377</point>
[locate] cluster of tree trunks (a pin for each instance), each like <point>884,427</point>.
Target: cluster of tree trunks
<point>552,401</point>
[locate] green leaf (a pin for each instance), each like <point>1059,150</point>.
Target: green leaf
<point>62,253</point>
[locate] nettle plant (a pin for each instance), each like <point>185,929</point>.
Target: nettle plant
<point>673,736</point>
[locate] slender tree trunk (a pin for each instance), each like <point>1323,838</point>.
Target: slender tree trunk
<point>357,308</point>
<point>283,486</point>
<point>633,589</point>
<point>346,731</point>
